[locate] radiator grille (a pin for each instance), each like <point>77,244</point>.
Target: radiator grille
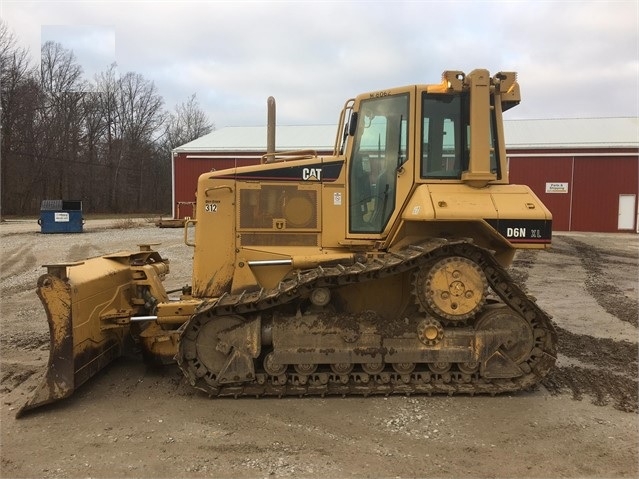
<point>259,207</point>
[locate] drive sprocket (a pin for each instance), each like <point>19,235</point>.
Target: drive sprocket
<point>453,288</point>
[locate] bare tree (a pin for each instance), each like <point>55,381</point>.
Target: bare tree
<point>187,123</point>
<point>105,145</point>
<point>93,182</point>
<point>108,137</point>
<point>61,119</point>
<point>141,115</point>
<point>18,98</point>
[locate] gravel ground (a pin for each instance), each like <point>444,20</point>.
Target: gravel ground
<point>135,421</point>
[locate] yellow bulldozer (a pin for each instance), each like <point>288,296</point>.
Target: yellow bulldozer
<point>380,269</point>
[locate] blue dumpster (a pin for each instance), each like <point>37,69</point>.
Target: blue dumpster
<point>61,216</point>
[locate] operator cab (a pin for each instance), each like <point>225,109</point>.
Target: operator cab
<point>430,125</point>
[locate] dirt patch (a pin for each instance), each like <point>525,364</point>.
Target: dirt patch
<point>132,420</point>
<point>519,270</point>
<point>607,371</point>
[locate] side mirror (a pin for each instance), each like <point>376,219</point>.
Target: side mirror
<point>352,124</point>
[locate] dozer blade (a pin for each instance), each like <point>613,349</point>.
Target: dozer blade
<point>89,306</point>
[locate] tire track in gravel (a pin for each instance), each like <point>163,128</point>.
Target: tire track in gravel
<point>599,285</point>
<point>607,370</point>
<point>18,260</point>
<point>80,252</point>
<point>18,264</point>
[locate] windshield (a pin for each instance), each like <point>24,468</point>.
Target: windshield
<point>378,151</point>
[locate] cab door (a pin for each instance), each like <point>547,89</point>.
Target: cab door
<point>378,180</point>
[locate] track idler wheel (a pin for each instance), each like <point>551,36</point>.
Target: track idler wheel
<point>219,349</point>
<point>273,368</point>
<point>518,345</point>
<point>452,288</point>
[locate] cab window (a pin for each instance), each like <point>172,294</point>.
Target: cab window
<point>446,137</point>
<point>379,150</point>
<point>444,133</point>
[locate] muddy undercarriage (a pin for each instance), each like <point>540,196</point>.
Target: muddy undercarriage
<point>294,340</point>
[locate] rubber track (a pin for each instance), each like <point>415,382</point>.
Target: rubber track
<point>540,361</point>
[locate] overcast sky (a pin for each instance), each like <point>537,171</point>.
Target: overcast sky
<point>574,58</point>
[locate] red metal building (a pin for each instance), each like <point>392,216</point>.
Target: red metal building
<point>585,170</point>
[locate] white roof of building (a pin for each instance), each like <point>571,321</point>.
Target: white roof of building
<point>253,138</point>
<point>573,133</point>
<point>520,134</point>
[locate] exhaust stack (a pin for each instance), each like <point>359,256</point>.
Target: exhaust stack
<point>270,130</point>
